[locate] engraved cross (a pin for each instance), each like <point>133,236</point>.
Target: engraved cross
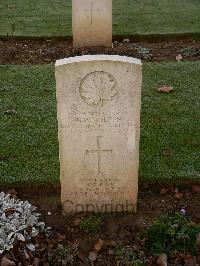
<point>91,10</point>
<point>99,152</point>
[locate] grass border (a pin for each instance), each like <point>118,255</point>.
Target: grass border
<point>136,37</point>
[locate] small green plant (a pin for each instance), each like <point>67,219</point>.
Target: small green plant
<point>19,221</point>
<point>144,52</point>
<point>190,51</point>
<point>130,256</point>
<point>64,254</point>
<point>91,225</point>
<point>172,232</point>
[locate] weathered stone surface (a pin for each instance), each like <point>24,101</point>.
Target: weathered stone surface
<point>92,22</point>
<point>98,107</point>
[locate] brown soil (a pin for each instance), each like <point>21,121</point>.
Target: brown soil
<point>41,51</point>
<point>152,201</point>
<point>123,228</point>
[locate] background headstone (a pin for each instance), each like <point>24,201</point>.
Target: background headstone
<point>92,22</point>
<point>98,109</point>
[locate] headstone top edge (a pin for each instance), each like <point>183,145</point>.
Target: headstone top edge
<point>88,58</point>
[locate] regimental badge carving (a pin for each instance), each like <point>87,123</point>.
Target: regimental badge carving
<point>99,87</point>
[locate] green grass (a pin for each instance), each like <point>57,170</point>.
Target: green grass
<point>170,126</point>
<point>53,18</point>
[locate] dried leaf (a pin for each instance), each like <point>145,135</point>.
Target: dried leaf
<point>36,262</point>
<point>98,245</point>
<point>110,243</point>
<point>9,211</point>
<point>26,255</point>
<point>64,262</point>
<point>13,193</point>
<point>165,89</point>
<point>126,40</point>
<point>9,112</point>
<point>162,260</point>
<point>92,256</point>
<point>163,191</point>
<point>176,190</point>
<point>81,256</point>
<point>7,262</point>
<point>178,195</point>
<point>189,261</point>
<point>196,188</point>
<point>179,58</point>
<point>61,237</point>
<point>111,252</point>
<point>77,221</point>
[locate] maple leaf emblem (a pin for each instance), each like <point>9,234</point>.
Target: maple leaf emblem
<point>98,87</point>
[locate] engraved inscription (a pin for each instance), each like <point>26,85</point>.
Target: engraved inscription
<point>95,121</point>
<point>99,151</point>
<point>97,88</point>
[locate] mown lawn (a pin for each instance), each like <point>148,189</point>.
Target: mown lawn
<point>170,124</point>
<point>53,18</point>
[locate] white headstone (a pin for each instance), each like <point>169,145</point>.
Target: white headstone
<point>92,22</point>
<point>98,110</point>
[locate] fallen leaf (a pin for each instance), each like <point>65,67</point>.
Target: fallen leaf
<point>13,193</point>
<point>183,211</point>
<point>9,211</point>
<point>81,256</point>
<point>92,256</point>
<point>111,252</point>
<point>60,246</point>
<point>77,221</point>
<point>150,261</point>
<point>196,188</point>
<point>189,261</point>
<point>9,112</point>
<point>179,260</point>
<point>64,262</point>
<point>26,255</point>
<point>98,245</point>
<point>61,237</point>
<point>163,191</point>
<point>110,243</point>
<point>179,58</point>
<point>165,89</point>
<point>7,262</point>
<point>126,40</point>
<point>36,262</point>
<point>178,195</point>
<point>162,260</point>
